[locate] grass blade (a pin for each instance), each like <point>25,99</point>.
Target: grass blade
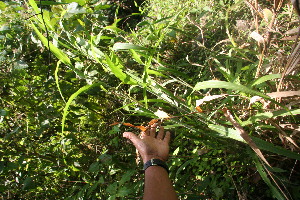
<point>56,80</point>
<point>264,176</point>
<point>233,134</point>
<point>57,52</point>
<point>72,97</point>
<point>116,68</point>
<point>265,78</point>
<point>126,46</point>
<point>227,85</point>
<point>268,115</point>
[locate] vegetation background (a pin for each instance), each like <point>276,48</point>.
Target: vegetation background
<point>224,71</point>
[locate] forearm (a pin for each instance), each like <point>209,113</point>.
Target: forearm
<point>158,186</point>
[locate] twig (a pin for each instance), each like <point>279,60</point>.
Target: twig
<point>244,135</point>
<point>292,170</point>
<point>250,142</point>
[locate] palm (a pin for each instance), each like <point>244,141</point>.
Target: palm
<point>151,145</point>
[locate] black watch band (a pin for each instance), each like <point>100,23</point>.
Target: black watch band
<point>156,162</point>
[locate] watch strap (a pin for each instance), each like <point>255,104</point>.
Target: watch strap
<point>156,162</point>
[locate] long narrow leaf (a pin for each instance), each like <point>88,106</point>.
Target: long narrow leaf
<point>227,85</point>
<point>44,18</point>
<point>57,52</point>
<point>264,176</point>
<point>72,97</point>
<point>116,68</point>
<point>126,46</point>
<point>268,115</point>
<point>56,80</point>
<point>261,144</point>
<point>265,78</point>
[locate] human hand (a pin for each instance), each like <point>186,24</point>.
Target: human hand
<point>151,145</point>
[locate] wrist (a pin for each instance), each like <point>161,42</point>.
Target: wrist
<point>149,157</point>
<point>145,159</point>
<point>155,162</point>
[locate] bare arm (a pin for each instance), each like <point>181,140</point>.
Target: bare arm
<point>158,186</point>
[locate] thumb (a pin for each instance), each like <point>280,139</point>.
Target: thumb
<point>132,137</point>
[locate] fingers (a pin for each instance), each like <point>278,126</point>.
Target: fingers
<point>167,137</point>
<point>132,137</point>
<point>153,130</point>
<point>160,134</point>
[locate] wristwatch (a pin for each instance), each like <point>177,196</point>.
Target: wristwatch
<point>156,162</point>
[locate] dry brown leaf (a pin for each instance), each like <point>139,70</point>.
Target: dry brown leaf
<point>283,94</point>
<point>199,109</point>
<point>256,36</point>
<point>142,128</point>
<point>293,31</point>
<point>115,123</point>
<point>273,95</point>
<point>289,38</point>
<point>153,121</point>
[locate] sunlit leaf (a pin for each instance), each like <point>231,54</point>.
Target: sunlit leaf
<point>161,114</point>
<point>227,85</point>
<point>126,46</point>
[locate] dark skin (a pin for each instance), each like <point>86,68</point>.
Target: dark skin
<point>150,144</point>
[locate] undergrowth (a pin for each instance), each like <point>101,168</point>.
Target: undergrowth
<point>225,72</point>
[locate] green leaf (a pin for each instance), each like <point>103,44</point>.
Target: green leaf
<point>80,2</point>
<point>3,112</point>
<point>123,191</point>
<point>268,115</point>
<point>126,46</point>
<point>73,96</point>
<point>57,52</point>
<point>113,28</point>
<point>184,165</point>
<point>226,132</point>
<point>136,56</point>
<point>267,146</point>
<point>126,177</point>
<point>261,144</point>
<point>20,65</point>
<point>227,85</point>
<point>34,6</point>
<point>56,80</point>
<point>150,71</point>
<point>265,78</point>
<point>116,68</point>
<point>264,176</point>
<point>94,167</point>
<point>50,3</point>
<point>112,188</point>
<point>102,7</point>
<point>2,6</point>
<point>4,28</point>
<point>28,183</point>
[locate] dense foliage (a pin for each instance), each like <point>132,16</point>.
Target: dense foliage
<point>224,71</point>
